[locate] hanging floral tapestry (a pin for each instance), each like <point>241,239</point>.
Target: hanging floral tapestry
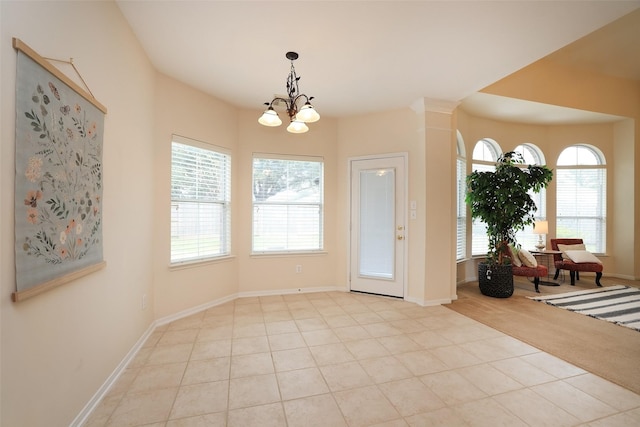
<point>58,198</point>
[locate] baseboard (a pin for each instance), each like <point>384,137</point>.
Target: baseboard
<point>622,276</point>
<point>197,309</point>
<point>585,273</point>
<point>104,389</point>
<point>193,310</point>
<point>84,414</point>
<point>292,291</point>
<point>428,303</point>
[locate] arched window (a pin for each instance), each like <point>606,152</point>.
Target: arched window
<point>461,208</point>
<point>581,205</point>
<point>532,156</point>
<point>485,156</point>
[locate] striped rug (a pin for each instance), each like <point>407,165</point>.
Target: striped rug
<point>617,304</point>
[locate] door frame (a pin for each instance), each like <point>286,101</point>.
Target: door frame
<point>405,263</point>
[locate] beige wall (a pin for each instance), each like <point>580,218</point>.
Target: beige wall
<point>277,273</point>
<point>383,133</point>
<point>183,111</point>
<point>425,134</point>
<point>627,259</point>
<point>59,347</point>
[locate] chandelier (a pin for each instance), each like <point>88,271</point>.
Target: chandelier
<point>298,116</point>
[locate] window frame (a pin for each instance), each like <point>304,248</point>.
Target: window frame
<point>319,204</point>
<point>595,239</point>
<point>205,251</point>
<point>525,237</point>
<point>492,148</point>
<point>461,206</point>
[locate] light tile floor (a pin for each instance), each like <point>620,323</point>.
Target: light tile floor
<point>345,359</point>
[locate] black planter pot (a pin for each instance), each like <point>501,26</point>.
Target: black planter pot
<point>495,280</point>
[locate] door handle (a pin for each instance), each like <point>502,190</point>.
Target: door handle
<point>400,237</point>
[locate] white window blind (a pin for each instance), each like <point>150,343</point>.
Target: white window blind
<point>525,238</point>
<point>200,201</point>
<point>287,203</point>
<point>461,241</point>
<point>485,155</point>
<point>479,237</point>
<point>581,206</point>
<point>532,156</point>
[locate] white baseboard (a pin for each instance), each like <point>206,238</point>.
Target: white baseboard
<point>84,414</point>
<point>622,276</point>
<point>197,309</point>
<point>428,303</point>
<point>82,417</point>
<point>193,310</point>
<point>292,291</point>
<point>122,366</point>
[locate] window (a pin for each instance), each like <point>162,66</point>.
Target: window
<point>200,201</point>
<point>461,174</point>
<point>287,203</point>
<point>532,156</point>
<point>485,156</point>
<point>581,180</point>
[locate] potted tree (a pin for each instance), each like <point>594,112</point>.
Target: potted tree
<point>502,201</point>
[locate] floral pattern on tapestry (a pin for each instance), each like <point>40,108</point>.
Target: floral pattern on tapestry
<point>58,177</point>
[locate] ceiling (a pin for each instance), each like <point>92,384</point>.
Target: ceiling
<point>611,50</point>
<point>361,56</point>
<point>521,111</point>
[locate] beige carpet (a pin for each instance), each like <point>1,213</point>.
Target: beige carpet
<point>602,348</point>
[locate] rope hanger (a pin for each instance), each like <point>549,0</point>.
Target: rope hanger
<point>70,62</point>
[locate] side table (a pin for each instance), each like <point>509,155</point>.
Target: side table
<point>545,257</point>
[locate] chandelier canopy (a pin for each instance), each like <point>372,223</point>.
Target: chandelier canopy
<point>299,116</point>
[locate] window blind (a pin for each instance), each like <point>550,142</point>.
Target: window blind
<point>287,204</point>
<point>581,205</point>
<point>479,237</point>
<point>525,238</point>
<point>461,240</point>
<point>200,201</point>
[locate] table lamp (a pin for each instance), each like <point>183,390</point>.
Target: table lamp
<point>540,228</point>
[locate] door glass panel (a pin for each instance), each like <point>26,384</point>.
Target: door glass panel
<point>377,222</point>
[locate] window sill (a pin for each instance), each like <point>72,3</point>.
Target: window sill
<point>199,262</point>
<point>286,254</point>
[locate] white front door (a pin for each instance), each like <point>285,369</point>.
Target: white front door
<point>378,225</point>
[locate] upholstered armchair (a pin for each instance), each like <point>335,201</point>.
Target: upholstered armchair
<point>534,269</point>
<point>562,262</point>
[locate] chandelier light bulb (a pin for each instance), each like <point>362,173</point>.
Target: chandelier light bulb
<point>308,114</point>
<point>270,118</point>
<point>297,126</point>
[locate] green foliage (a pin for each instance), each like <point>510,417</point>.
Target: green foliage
<point>501,199</point>
<point>273,176</point>
<point>58,207</point>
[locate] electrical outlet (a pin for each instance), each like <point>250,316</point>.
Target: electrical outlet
<point>144,301</point>
<point>298,268</point>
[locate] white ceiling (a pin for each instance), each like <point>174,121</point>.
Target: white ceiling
<point>363,56</point>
